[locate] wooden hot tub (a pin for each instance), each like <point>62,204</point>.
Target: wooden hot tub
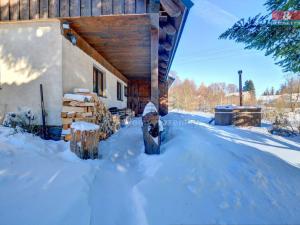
<point>238,116</point>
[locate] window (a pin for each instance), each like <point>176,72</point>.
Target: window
<point>119,91</point>
<point>98,82</point>
<point>125,91</point>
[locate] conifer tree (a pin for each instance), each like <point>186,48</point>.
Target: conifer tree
<point>282,42</point>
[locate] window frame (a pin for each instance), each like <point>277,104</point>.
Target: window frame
<point>99,86</point>
<point>119,91</point>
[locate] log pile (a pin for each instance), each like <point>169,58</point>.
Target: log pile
<point>85,106</point>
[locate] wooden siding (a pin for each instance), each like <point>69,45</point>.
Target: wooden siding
<point>41,9</point>
<point>139,94</point>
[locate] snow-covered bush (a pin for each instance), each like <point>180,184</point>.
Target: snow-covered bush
<point>286,124</point>
<point>22,121</point>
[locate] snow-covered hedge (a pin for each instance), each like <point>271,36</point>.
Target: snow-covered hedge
<point>22,121</point>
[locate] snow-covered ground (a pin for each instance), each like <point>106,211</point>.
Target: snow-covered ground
<point>206,175</point>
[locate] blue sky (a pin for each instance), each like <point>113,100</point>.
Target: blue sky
<point>201,56</point>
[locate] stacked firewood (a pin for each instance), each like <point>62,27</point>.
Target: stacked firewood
<point>108,123</point>
<point>85,106</point>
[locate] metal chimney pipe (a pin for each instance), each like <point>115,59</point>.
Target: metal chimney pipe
<point>240,72</point>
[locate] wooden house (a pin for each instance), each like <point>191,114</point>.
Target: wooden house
<point>121,49</point>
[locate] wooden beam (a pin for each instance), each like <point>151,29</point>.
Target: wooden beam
<point>34,9</point>
<point>54,8</point>
<point>89,50</point>
<point>129,6</point>
<point>14,8</point>
<point>167,46</point>
<point>74,8</point>
<point>140,6</point>
<point>24,9</point>
<point>163,19</point>
<point>64,8</point>
<point>96,7</point>
<point>163,65</point>
<point>118,6</point>
<point>163,97</point>
<point>154,67</point>
<point>163,71</point>
<point>169,29</point>
<point>44,9</point>
<point>4,6</point>
<point>171,8</point>
<point>107,7</point>
<point>164,57</point>
<point>85,8</point>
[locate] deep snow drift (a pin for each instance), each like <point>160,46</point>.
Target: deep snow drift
<point>206,175</point>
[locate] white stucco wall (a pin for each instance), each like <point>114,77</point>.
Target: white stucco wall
<point>34,53</point>
<point>30,55</point>
<point>77,69</point>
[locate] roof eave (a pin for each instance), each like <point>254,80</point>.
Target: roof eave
<point>189,4</point>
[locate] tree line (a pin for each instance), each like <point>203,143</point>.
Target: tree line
<point>186,95</point>
<point>291,84</point>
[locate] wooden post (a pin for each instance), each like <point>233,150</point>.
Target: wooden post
<point>151,130</point>
<point>154,67</point>
<point>163,98</point>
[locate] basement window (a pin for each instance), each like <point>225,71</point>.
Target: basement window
<point>119,91</point>
<point>99,82</point>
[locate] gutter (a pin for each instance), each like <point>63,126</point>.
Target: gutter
<point>188,4</point>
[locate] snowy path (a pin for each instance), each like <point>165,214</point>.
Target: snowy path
<point>116,176</point>
<point>206,175</point>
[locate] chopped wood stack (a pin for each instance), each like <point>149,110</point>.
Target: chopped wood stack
<point>86,106</point>
<point>85,140</point>
<point>108,123</point>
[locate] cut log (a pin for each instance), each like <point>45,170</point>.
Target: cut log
<point>66,120</point>
<point>64,115</point>
<point>171,8</point>
<point>84,115</point>
<point>71,114</point>
<point>73,109</point>
<point>84,140</point>
<point>66,126</point>
<point>81,104</point>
